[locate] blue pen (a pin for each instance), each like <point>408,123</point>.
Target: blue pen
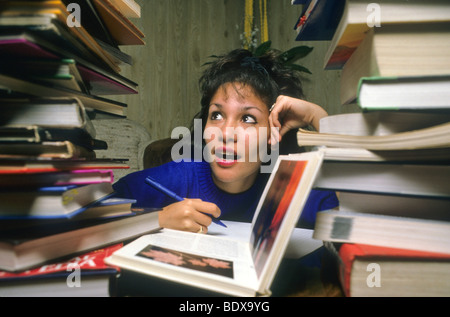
<point>170,193</point>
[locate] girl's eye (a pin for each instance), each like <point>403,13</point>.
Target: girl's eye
<point>248,119</point>
<point>216,116</point>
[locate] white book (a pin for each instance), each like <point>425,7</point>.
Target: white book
<point>383,230</point>
<point>421,180</point>
<point>228,264</point>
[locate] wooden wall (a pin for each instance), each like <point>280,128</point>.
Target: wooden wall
<point>181,34</point>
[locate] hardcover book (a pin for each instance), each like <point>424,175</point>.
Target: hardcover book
<point>402,272</point>
<point>391,50</point>
<point>28,247</point>
<point>57,279</point>
<point>361,15</point>
<point>51,202</point>
<point>405,232</point>
<point>427,138</point>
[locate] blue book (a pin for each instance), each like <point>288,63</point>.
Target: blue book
<point>319,20</point>
<point>51,202</point>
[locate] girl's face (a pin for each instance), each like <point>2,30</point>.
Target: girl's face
<point>236,135</point>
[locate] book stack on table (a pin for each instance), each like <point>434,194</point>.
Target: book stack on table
<point>389,162</point>
<point>56,195</point>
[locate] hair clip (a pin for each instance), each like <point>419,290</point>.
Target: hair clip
<point>254,63</point>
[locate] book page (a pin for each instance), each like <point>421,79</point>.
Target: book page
<point>220,258</point>
<point>276,203</point>
<point>300,244</point>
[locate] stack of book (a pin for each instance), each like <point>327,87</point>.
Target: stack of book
<point>59,59</point>
<point>389,162</point>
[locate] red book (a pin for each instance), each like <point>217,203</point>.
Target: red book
<point>58,279</point>
<point>367,270</point>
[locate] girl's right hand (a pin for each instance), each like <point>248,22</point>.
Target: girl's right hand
<point>188,215</point>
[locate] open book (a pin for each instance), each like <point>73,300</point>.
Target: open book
<point>223,263</point>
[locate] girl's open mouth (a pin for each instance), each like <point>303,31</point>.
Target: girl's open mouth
<point>226,157</point>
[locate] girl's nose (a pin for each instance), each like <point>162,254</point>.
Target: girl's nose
<point>229,132</point>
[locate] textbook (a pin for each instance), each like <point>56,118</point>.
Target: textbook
<point>402,272</point>
<point>46,166</point>
<point>432,137</point>
<point>30,46</point>
<point>123,31</point>
<point>62,14</point>
<point>420,179</point>
<point>47,119</point>
<point>25,248</point>
<point>45,150</point>
<point>90,102</point>
<point>404,93</point>
<point>222,264</point>
<point>359,16</point>
<point>383,230</point>
<point>310,25</point>
<point>395,205</point>
<point>389,51</point>
<point>51,201</point>
<point>59,178</point>
<point>381,122</point>
<point>129,8</point>
<point>58,279</point>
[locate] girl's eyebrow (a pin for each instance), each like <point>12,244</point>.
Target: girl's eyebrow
<point>243,109</point>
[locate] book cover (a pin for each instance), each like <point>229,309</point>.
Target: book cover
<point>397,50</point>
<point>52,201</point>
<point>100,80</point>
<point>392,204</point>
<point>51,113</point>
<point>46,166</point>
<point>60,178</point>
<point>121,28</point>
<point>54,279</point>
<point>59,9</point>
<point>361,15</point>
<point>319,20</point>
<point>45,150</point>
<point>129,8</point>
<point>90,102</point>
<point>63,73</point>
<point>404,93</point>
<point>224,265</point>
<point>24,249</point>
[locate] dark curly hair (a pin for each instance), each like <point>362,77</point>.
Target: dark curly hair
<point>265,74</point>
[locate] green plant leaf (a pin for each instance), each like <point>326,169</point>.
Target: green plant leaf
<point>295,53</point>
<point>263,48</point>
<point>299,68</point>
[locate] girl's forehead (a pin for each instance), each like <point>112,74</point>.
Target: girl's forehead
<point>238,91</point>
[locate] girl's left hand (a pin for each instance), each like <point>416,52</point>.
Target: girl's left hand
<point>292,113</point>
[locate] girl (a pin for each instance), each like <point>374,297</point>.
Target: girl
<point>248,104</point>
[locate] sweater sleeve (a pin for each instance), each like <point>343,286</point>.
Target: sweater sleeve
<point>318,200</point>
<point>134,186</point>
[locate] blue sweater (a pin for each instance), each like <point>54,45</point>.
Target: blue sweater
<point>194,180</point>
